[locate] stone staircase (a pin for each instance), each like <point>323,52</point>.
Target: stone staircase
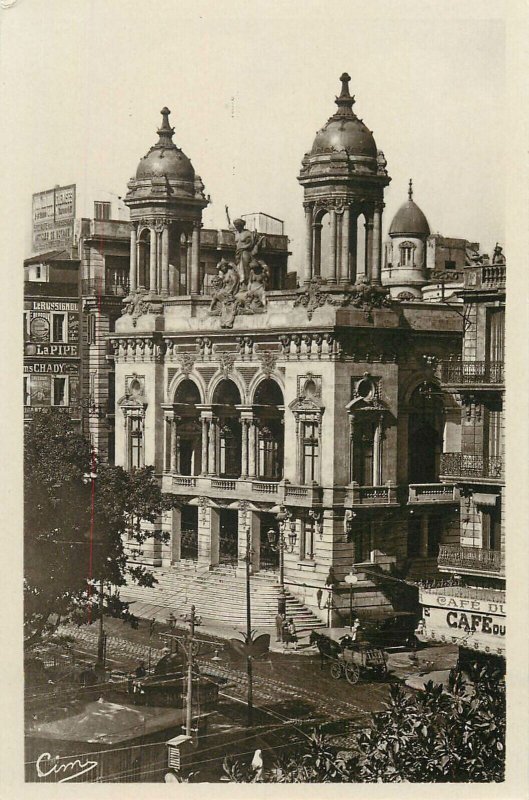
<point>219,596</point>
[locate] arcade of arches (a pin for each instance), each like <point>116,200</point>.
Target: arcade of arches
<point>226,439</point>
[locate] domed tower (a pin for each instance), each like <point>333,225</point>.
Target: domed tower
<point>343,177</point>
<point>166,199</point>
<point>405,252</point>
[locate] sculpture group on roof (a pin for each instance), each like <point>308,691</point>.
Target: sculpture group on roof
<point>240,287</point>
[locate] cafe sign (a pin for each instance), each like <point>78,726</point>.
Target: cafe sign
<point>468,622</point>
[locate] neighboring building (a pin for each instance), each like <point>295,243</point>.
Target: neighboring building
<point>473,614</point>
<point>52,358</point>
<point>323,399</point>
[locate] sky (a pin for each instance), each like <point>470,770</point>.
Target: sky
<point>249,84</point>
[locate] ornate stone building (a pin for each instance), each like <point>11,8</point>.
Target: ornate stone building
<point>324,400</point>
<point>473,613</point>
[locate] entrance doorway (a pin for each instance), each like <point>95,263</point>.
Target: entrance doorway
<point>189,533</point>
<point>268,558</point>
<point>228,546</point>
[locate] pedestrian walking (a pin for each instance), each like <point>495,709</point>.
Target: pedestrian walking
<point>292,635</point>
<point>280,621</point>
<point>319,595</point>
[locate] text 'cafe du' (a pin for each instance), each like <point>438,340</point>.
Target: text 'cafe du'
<point>473,623</point>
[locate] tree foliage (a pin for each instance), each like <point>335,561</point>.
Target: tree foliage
<point>74,527</point>
<point>433,736</point>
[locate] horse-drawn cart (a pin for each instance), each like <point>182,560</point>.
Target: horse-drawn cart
<point>349,658</point>
<point>356,658</point>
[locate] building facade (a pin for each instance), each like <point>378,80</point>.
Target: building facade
<point>52,314</point>
<point>248,396</point>
<point>473,613</point>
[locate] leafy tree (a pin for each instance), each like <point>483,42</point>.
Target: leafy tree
<point>425,737</point>
<point>74,528</point>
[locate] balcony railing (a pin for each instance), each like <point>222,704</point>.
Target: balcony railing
<point>370,495</point>
<point>493,275</point>
<point>100,287</point>
<point>466,465</point>
<point>433,493</point>
<point>224,484</point>
<point>472,558</point>
<point>264,488</point>
<point>184,480</point>
<point>472,372</point>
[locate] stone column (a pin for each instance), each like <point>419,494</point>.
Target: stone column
<point>173,446</point>
<point>195,259</point>
<point>208,533</point>
<point>205,448</point>
<point>376,262</point>
<point>369,248</point>
<point>244,448</point>
<point>152,262</point>
<point>344,260</point>
<point>189,270</point>
<point>316,259</point>
<point>332,247</point>
<point>353,250</point>
<point>133,269</point>
<point>424,536</point>
<point>377,455</point>
<point>212,447</point>
<point>307,275</point>
<point>252,430</point>
<point>248,519</point>
<point>351,447</point>
<point>165,261</point>
<point>175,515</point>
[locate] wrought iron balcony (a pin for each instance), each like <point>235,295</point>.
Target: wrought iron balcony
<point>469,558</point>
<point>475,373</point>
<point>433,493</point>
<point>467,465</point>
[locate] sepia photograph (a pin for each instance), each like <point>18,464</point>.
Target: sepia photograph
<point>261,256</point>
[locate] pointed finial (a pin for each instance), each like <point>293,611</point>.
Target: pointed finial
<point>165,132</point>
<point>345,102</point>
<point>410,190</point>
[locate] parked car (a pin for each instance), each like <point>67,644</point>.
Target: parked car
<point>396,629</point>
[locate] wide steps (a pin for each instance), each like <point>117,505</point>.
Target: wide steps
<point>219,596</point>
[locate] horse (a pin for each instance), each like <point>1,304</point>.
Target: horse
<point>326,647</point>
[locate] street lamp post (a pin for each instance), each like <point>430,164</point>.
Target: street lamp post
<point>91,478</point>
<point>279,543</point>
<point>249,666</point>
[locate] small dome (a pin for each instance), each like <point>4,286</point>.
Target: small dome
<point>344,130</point>
<point>409,219</point>
<point>165,158</point>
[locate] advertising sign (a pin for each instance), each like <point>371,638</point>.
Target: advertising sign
<point>476,624</point>
<point>53,218</point>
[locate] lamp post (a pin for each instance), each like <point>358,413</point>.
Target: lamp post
<point>279,542</point>
<point>249,666</point>
<point>91,477</point>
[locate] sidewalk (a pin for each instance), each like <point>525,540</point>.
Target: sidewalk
<point>429,664</point>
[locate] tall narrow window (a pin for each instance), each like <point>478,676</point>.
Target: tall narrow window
<point>59,327</point>
<point>491,528</point>
<point>307,540</point>
<point>135,442</point>
<point>496,336</point>
<point>363,452</point>
<point>101,210</point>
<point>310,452</point>
<point>59,392</point>
<point>27,396</point>
<point>494,434</point>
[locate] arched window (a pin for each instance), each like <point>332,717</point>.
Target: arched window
<point>269,414</point>
<point>425,433</point>
<point>407,254</point>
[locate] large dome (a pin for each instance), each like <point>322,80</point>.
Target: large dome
<point>344,130</point>
<point>409,219</point>
<point>165,158</point>
<point>346,133</point>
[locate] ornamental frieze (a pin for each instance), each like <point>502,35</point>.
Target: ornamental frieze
<point>362,295</point>
<point>141,302</point>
